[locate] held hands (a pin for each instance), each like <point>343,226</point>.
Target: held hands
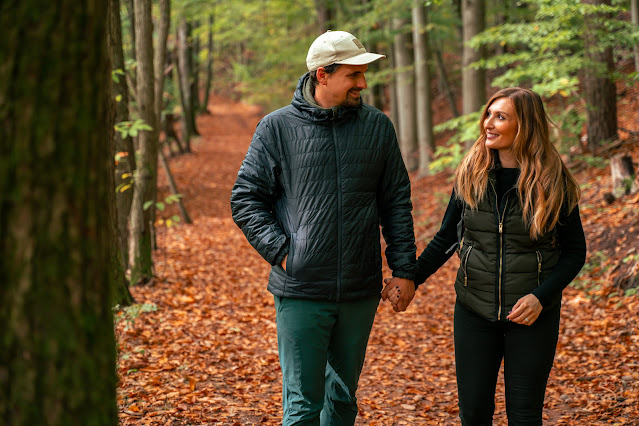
<point>399,291</point>
<point>526,310</point>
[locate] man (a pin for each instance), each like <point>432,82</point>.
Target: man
<point>319,178</point>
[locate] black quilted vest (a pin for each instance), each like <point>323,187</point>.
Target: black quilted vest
<point>500,263</point>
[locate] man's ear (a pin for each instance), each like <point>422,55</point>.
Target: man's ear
<point>321,75</point>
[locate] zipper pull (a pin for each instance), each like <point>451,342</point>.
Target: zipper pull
<point>501,227</point>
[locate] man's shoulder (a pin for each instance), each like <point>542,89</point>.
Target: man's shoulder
<point>280,114</point>
<point>372,113</point>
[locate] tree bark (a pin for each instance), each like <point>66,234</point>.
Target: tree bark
<point>194,56</point>
<point>623,175</point>
<point>131,13</point>
<point>405,95</point>
<point>185,88</point>
<point>145,185</point>
<point>473,81</point>
<point>634,16</point>
<point>57,351</point>
<point>443,79</point>
<point>160,56</point>
<point>599,90</point>
<point>173,186</point>
<point>209,66</point>
<point>426,140</point>
<point>124,165</point>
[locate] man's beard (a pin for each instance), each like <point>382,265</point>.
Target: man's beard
<point>351,102</point>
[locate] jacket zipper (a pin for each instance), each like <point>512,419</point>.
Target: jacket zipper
<point>339,214</point>
<point>539,261</point>
<point>466,266</point>
<point>502,216</point>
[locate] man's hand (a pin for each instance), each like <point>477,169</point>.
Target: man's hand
<point>399,291</point>
<point>284,262</point>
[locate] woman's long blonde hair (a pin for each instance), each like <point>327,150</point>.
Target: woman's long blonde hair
<point>545,185</point>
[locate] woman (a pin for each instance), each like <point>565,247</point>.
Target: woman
<point>514,212</point>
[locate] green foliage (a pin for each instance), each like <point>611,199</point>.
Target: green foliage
<point>161,205</point>
<point>131,128</point>
<point>129,314</point>
<point>593,161</point>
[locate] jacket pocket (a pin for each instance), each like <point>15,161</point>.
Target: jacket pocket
<point>540,260</point>
<point>291,254</point>
<point>464,264</point>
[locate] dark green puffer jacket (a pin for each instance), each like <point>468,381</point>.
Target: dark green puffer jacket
<point>500,263</point>
<point>316,184</point>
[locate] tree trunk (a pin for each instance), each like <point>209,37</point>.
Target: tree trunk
<point>125,163</point>
<point>634,13</point>
<point>185,88</point>
<point>325,15</point>
<point>145,186</point>
<point>600,92</point>
<point>173,186</point>
<point>160,56</point>
<point>57,351</point>
<point>473,81</point>
<point>209,66</point>
<point>131,13</point>
<point>443,79</point>
<point>426,140</point>
<point>194,56</point>
<point>622,171</point>
<point>405,95</point>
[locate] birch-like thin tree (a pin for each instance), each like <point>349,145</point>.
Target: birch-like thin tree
<point>405,93</point>
<point>425,138</point>
<point>145,182</point>
<point>124,156</point>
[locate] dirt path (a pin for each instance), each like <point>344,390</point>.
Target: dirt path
<point>207,354</point>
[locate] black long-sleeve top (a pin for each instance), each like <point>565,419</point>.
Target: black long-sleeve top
<point>570,235</point>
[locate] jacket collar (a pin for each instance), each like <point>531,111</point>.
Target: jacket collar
<point>304,102</point>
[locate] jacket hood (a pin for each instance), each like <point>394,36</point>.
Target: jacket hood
<point>314,113</point>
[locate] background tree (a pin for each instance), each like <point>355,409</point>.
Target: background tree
<point>426,141</point>
<point>405,91</point>
<point>123,154</point>
<point>600,92</point>
<point>57,351</point>
<point>145,183</point>
<point>473,80</point>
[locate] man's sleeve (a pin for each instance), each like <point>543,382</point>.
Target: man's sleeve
<point>395,208</point>
<point>253,197</point>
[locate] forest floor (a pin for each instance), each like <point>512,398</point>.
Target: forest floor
<point>201,347</point>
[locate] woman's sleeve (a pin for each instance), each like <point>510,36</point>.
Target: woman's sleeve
<point>443,244</point>
<point>572,241</point>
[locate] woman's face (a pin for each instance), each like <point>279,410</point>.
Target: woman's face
<point>500,125</point>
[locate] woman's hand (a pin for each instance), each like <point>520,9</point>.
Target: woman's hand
<point>526,310</point>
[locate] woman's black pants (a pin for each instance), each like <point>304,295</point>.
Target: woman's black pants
<point>528,353</point>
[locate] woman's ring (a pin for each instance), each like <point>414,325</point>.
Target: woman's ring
<point>525,319</point>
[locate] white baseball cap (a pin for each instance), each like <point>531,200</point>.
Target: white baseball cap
<point>338,47</point>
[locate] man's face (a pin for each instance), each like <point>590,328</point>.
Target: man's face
<point>342,87</point>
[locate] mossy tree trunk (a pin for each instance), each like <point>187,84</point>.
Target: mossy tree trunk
<point>125,164</point>
<point>57,351</point>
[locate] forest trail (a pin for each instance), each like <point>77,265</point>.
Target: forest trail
<point>207,355</point>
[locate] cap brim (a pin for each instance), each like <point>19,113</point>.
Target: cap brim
<point>363,59</point>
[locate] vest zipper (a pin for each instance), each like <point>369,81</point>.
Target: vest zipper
<point>502,216</point>
<point>466,266</point>
<point>539,260</point>
<point>339,214</point>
